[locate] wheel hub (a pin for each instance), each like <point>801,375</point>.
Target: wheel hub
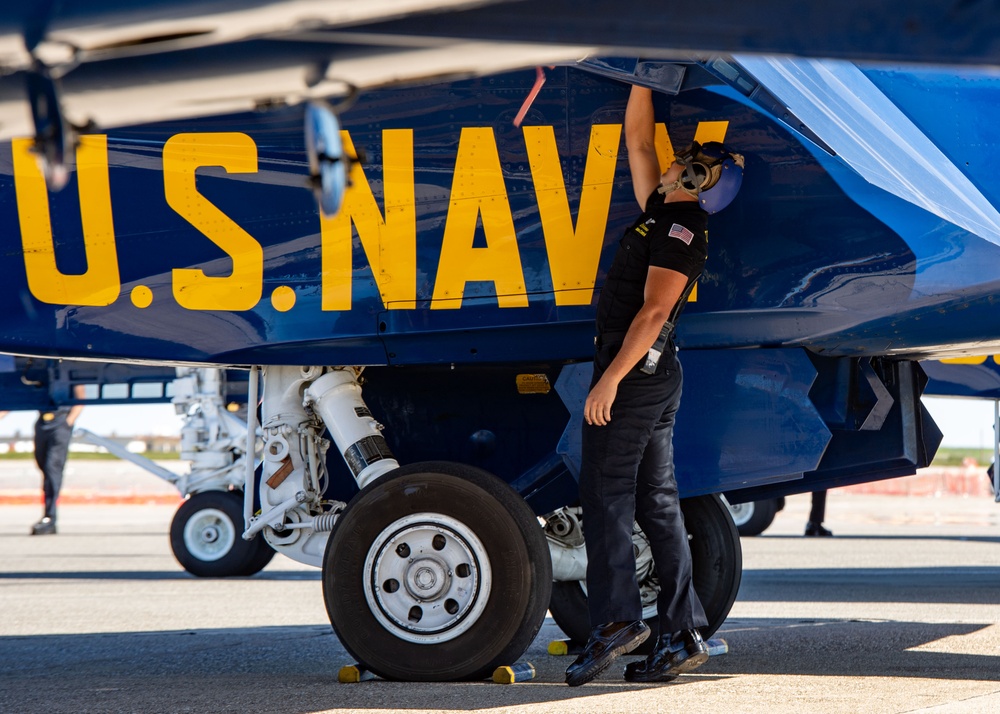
<point>209,534</point>
<point>741,512</point>
<point>427,578</point>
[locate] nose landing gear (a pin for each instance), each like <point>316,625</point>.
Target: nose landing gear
<point>435,572</point>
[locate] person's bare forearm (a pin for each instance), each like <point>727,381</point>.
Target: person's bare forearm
<point>663,288</point>
<point>639,338</point>
<point>79,392</point>
<point>640,138</point>
<point>641,335</point>
<point>74,412</point>
<point>639,128</point>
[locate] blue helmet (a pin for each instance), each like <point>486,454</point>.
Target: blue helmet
<point>712,173</point>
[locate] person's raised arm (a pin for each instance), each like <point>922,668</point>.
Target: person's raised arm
<point>640,132</point>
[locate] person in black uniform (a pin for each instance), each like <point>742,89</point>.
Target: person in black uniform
<point>627,472</point>
<point>817,514</point>
<point>53,432</point>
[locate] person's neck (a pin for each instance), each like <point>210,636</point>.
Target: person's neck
<point>679,195</point>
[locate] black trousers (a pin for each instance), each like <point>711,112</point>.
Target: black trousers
<point>627,475</point>
<point>51,448</point>
<point>818,511</point>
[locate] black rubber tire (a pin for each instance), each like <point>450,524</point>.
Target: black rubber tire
<point>262,555</point>
<point>240,557</point>
<point>515,547</point>
<point>761,515</point>
<point>717,560</point>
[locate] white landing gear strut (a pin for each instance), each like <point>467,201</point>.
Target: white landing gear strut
<point>435,571</point>
<point>205,531</point>
<point>298,404</point>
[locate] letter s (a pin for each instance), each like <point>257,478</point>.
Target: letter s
<point>183,155</point>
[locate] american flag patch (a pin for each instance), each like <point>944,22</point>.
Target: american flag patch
<point>679,231</point>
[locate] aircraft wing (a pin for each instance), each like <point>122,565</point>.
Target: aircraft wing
<point>123,64</point>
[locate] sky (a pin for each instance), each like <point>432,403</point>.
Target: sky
<point>138,420</point>
<point>964,422</point>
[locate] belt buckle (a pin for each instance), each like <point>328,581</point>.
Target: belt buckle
<point>48,416</point>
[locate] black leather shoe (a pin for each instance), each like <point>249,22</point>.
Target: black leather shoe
<point>46,526</point>
<point>817,530</point>
<point>674,654</point>
<point>606,643</point>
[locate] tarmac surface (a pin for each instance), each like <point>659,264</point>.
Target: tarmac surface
<point>899,612</point>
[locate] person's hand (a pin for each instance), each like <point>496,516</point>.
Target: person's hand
<point>597,410</point>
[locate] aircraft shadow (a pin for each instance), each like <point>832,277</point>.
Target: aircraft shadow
<point>853,648</point>
<point>945,584</point>
<point>903,538</point>
<point>277,575</point>
<point>294,669</point>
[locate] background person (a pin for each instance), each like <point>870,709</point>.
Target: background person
<point>817,514</point>
<point>53,432</point>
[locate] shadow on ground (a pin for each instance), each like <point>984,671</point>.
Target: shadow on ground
<point>294,669</point>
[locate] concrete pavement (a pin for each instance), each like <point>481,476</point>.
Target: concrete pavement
<point>897,613</point>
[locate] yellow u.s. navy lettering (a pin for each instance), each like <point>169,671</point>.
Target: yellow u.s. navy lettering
<point>99,284</point>
<point>388,234</point>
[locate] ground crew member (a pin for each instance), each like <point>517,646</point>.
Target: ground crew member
<point>53,432</point>
<point>817,514</point>
<point>627,472</point>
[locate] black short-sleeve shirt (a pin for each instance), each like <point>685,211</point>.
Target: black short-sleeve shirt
<point>667,235</point>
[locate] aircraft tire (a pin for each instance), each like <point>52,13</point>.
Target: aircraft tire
<point>262,555</point>
<point>437,572</point>
<point>717,559</point>
<point>754,517</point>
<point>206,536</point>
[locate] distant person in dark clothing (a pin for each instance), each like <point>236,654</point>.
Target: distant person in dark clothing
<point>53,432</point>
<point>816,516</point>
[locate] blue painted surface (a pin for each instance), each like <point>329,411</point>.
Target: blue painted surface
<point>34,384</point>
<point>810,258</point>
<point>963,380</point>
<point>746,418</point>
<point>809,254</point>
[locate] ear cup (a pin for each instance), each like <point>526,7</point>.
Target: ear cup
<point>695,175</point>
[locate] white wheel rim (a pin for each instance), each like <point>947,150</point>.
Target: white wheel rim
<point>427,578</point>
<point>741,512</point>
<point>209,534</point>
